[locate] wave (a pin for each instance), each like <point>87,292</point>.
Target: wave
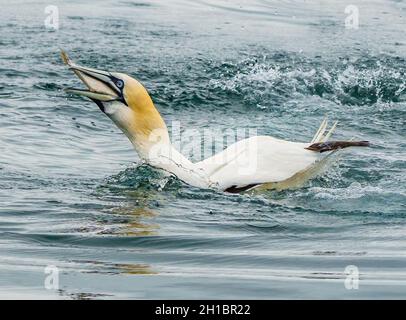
<point>140,177</point>
<point>273,80</point>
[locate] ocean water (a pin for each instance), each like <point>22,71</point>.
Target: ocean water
<point>74,195</point>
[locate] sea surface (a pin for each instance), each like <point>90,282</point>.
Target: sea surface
<point>76,202</point>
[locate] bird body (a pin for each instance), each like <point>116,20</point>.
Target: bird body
<point>259,162</point>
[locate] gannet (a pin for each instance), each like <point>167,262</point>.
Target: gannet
<point>255,163</point>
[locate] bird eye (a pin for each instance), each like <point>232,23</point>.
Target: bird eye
<point>119,84</point>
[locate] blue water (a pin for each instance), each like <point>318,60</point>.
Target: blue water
<point>72,193</point>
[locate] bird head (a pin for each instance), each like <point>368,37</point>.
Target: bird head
<point>124,100</point>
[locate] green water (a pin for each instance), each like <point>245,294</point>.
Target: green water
<point>72,193</point>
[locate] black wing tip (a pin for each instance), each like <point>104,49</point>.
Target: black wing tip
<point>334,145</point>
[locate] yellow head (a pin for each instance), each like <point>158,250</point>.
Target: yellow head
<point>125,101</point>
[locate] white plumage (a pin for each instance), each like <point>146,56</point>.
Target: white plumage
<point>264,160</point>
<point>260,162</point>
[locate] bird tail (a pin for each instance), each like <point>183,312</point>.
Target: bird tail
<point>321,144</point>
<point>320,135</point>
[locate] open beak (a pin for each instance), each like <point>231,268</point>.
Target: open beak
<point>100,84</point>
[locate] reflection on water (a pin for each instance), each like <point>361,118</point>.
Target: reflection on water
<point>135,269</point>
<point>136,224</point>
<point>102,267</point>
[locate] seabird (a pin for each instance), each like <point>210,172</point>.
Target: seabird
<point>259,162</point>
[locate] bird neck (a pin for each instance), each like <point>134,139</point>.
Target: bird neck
<point>150,138</point>
<point>165,156</point>
<point>147,131</point>
<point>144,127</point>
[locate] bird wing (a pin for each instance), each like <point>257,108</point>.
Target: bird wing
<point>257,160</point>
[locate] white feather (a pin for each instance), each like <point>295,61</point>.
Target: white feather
<point>261,161</point>
<point>257,160</point>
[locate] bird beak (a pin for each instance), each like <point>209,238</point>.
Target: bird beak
<point>100,84</point>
